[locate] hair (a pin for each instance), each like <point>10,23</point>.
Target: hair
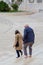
<point>16,32</point>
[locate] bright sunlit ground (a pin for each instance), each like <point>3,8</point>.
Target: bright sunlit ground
<point>8,24</point>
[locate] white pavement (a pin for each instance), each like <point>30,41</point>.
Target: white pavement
<point>8,24</point>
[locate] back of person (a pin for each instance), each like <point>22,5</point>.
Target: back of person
<point>18,37</point>
<point>18,43</point>
<point>28,35</point>
<point>28,40</point>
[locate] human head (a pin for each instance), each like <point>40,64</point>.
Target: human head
<point>16,32</point>
<point>26,25</point>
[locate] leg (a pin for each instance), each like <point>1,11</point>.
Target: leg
<point>25,49</point>
<point>30,49</point>
<point>18,55</point>
<point>21,52</point>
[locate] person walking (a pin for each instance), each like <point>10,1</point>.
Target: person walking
<point>18,43</point>
<point>28,39</point>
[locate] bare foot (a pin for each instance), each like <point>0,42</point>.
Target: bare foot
<point>26,57</point>
<point>30,56</point>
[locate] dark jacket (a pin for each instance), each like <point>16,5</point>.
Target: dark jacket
<point>28,35</point>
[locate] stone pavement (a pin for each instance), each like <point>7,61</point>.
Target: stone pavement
<point>8,24</point>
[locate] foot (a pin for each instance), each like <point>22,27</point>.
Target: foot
<point>26,57</point>
<point>30,56</point>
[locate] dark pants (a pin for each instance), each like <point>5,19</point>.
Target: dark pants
<point>18,53</point>
<point>30,48</point>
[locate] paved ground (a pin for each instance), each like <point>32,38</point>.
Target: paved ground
<point>8,24</point>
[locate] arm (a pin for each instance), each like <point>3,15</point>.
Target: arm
<point>25,34</point>
<point>15,41</point>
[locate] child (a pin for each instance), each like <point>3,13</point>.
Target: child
<point>18,43</point>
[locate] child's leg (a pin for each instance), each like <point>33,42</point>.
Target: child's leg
<point>17,51</point>
<point>21,52</point>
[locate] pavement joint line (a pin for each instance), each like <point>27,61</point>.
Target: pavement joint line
<point>20,13</point>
